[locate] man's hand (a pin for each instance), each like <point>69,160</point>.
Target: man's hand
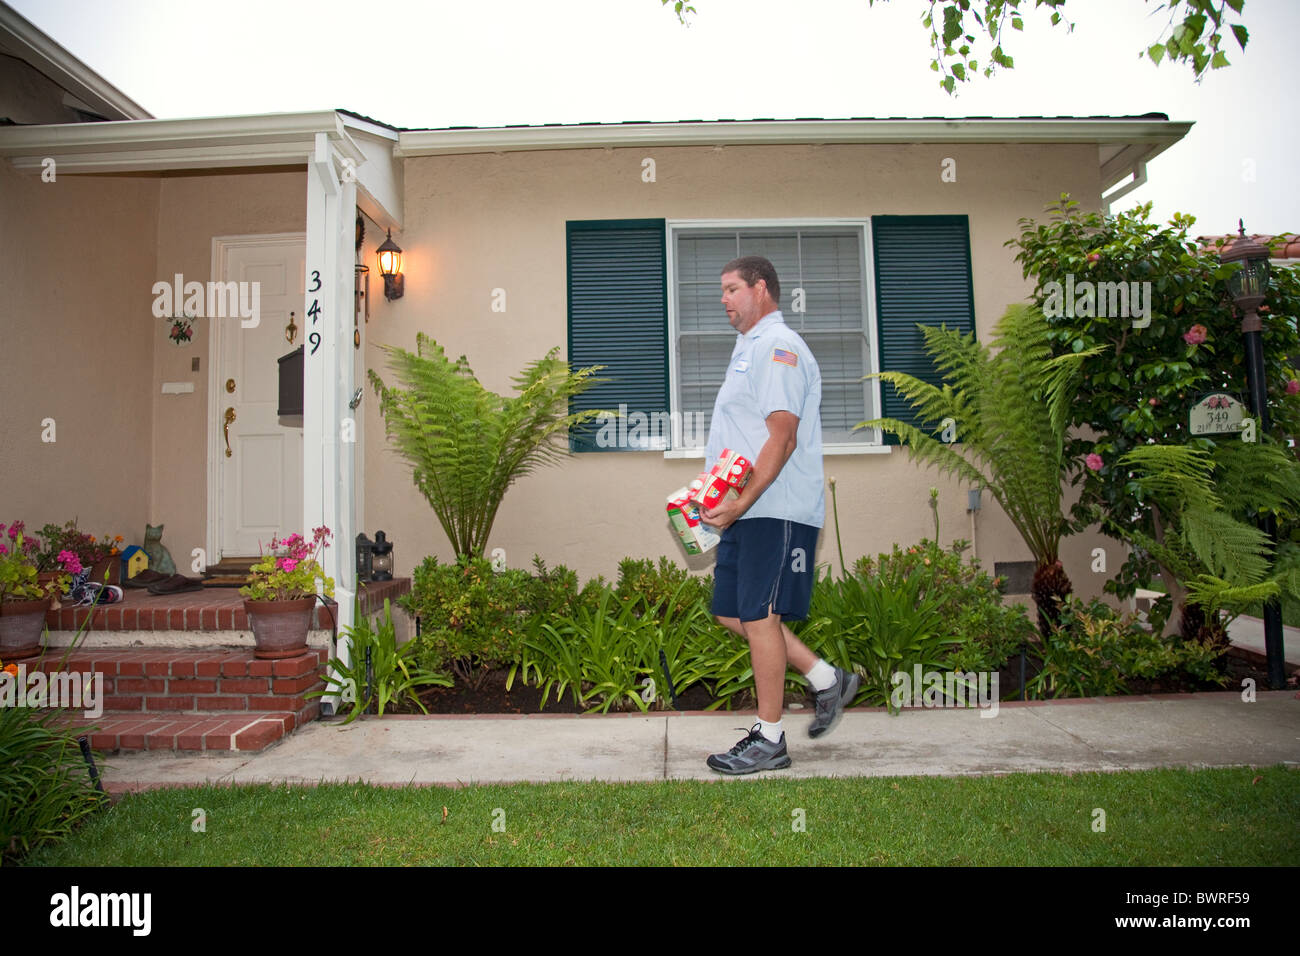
<point>782,437</point>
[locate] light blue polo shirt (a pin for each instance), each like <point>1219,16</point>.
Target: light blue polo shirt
<point>772,370</point>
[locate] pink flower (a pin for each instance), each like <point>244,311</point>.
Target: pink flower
<point>1094,256</point>
<point>1292,387</point>
<point>3,549</point>
<point>71,563</point>
<point>1153,402</point>
<point>1094,462</point>
<point>1195,335</point>
<point>287,564</point>
<point>16,529</point>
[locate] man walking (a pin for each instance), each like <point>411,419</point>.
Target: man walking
<point>768,409</point>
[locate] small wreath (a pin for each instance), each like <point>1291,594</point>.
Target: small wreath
<point>182,330</point>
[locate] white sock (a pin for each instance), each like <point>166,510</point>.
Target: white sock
<point>822,675</point>
<point>771,731</point>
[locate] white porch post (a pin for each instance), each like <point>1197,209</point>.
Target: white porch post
<point>329,444</point>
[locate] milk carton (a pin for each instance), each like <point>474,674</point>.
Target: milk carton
<point>684,515</point>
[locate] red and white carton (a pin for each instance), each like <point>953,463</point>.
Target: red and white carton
<point>684,515</point>
<point>728,476</point>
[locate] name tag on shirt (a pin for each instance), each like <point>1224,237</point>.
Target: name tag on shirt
<point>742,365</point>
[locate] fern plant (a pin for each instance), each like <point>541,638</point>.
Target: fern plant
<point>1211,553</point>
<point>466,445</point>
<point>1009,404</point>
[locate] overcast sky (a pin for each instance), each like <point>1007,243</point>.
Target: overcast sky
<point>497,62</point>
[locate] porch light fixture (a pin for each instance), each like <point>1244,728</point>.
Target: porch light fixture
<point>382,560</point>
<point>1248,285</point>
<point>390,267</point>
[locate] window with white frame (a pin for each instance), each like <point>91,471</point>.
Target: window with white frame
<point>825,297</point>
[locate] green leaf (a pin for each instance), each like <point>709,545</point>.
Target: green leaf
<point>1157,52</point>
<point>1219,61</point>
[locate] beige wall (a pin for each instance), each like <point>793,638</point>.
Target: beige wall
<point>79,342</point>
<point>192,210</point>
<point>76,263</point>
<point>482,222</point>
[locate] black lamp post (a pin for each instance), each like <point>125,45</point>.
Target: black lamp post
<point>1248,286</point>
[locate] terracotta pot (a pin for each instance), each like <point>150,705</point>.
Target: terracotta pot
<point>107,571</point>
<point>280,627</point>
<point>21,626</point>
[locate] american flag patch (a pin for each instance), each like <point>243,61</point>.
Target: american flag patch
<point>785,357</point>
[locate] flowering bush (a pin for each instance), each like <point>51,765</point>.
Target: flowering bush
<point>19,567</point>
<point>88,549</point>
<point>292,573</point>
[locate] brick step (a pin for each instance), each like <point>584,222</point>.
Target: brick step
<point>170,681</point>
<point>215,733</point>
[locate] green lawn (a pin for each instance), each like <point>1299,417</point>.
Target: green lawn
<point>1162,818</point>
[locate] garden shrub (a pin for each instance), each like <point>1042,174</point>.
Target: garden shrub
<point>668,586</point>
<point>45,789</point>
<point>970,602</point>
<point>1095,652</point>
<point>471,617</point>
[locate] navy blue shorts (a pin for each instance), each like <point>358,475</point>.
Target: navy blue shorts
<point>765,565</point>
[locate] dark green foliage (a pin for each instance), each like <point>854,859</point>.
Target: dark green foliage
<point>45,788</point>
<point>1138,382</point>
<point>471,617</point>
<point>1095,652</point>
<point>394,674</point>
<point>970,602</point>
<point>669,585</point>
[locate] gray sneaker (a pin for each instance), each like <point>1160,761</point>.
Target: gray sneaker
<point>753,753</point>
<point>832,701</point>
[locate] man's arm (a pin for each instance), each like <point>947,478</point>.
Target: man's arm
<point>782,437</point>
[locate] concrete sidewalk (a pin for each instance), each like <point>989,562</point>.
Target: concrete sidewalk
<point>1117,733</point>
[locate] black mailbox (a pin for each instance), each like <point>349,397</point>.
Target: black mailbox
<point>291,383</point>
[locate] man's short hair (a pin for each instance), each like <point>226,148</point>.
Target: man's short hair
<point>753,268</point>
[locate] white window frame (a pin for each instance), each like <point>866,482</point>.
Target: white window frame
<point>876,445</point>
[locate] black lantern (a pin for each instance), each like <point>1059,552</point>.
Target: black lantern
<point>383,558</point>
<point>390,267</point>
<point>1248,284</point>
<point>365,557</point>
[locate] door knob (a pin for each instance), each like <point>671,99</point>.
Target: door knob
<point>230,417</point>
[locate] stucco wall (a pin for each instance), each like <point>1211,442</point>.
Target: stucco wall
<point>477,223</point>
<point>192,210</point>
<point>76,263</point>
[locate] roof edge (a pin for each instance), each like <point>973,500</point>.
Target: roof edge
<point>55,62</point>
<point>1161,132</point>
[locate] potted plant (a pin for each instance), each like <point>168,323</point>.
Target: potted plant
<point>24,598</point>
<point>98,556</point>
<point>281,593</point>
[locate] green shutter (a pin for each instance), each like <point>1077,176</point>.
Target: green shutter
<point>618,317</point>
<point>923,275</point>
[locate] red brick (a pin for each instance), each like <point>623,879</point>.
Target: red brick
<point>245,685</point>
<point>131,736</point>
<point>130,619</point>
<point>295,685</point>
<point>124,703</point>
<point>258,736</point>
<point>182,666</point>
<point>191,739</point>
<point>188,685</point>
<point>234,667</point>
<point>296,666</point>
<point>258,668</point>
<point>157,666</point>
<point>161,737</point>
<point>208,619</point>
<point>176,619</point>
<point>169,703</point>
<point>226,619</point>
<point>105,740</point>
<point>140,685</point>
<point>276,703</point>
<point>221,703</point>
<point>208,668</point>
<point>131,667</point>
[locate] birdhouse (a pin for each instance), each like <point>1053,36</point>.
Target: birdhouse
<point>134,560</point>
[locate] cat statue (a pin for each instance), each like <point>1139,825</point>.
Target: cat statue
<point>160,558</point>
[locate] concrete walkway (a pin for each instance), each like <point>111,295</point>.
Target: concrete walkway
<point>1118,733</point>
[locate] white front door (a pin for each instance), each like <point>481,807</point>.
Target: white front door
<point>259,457</point>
